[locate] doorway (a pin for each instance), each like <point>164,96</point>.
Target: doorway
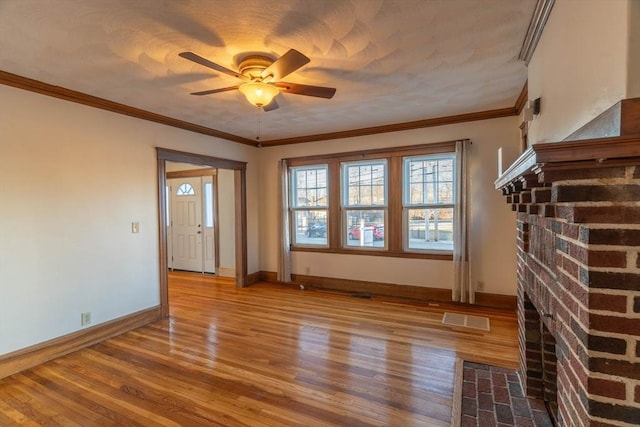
<point>192,236</point>
<point>239,202</point>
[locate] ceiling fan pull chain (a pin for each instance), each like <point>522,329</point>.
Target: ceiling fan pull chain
<point>259,114</point>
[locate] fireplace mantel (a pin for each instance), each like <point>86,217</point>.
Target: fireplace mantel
<point>528,169</point>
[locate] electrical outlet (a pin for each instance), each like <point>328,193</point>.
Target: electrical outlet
<point>135,227</point>
<point>85,318</point>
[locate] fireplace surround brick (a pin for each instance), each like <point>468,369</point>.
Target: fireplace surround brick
<point>578,274</point>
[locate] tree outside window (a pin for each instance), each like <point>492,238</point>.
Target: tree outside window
<point>429,202</point>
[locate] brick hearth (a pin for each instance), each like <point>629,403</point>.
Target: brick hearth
<point>578,242</point>
<point>493,397</point>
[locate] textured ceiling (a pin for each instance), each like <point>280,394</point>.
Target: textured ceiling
<point>392,61</point>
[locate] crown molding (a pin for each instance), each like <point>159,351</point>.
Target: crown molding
<point>397,127</point>
<point>32,85</point>
<point>47,89</point>
<point>522,98</point>
<point>536,26</point>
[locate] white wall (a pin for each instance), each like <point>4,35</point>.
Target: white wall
<point>580,66</point>
<point>492,226</point>
<point>73,179</point>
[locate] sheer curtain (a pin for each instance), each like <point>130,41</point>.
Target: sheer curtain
<point>284,239</point>
<point>463,289</point>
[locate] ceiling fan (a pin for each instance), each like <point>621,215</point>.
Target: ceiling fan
<point>262,78</point>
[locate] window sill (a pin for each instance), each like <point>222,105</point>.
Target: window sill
<point>378,253</point>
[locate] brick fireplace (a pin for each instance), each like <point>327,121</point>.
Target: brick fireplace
<point>578,272</point>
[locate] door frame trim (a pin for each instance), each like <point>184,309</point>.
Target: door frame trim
<point>240,202</point>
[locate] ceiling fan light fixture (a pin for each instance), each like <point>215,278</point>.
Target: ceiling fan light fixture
<point>259,94</point>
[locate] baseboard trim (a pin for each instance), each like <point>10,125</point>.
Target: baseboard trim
<point>226,272</point>
<point>507,302</point>
<point>17,361</point>
<point>268,276</point>
<point>364,287</point>
<point>253,278</point>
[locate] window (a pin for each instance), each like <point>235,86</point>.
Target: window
<point>309,205</point>
<point>167,207</point>
<point>185,189</point>
<point>208,204</point>
<point>364,189</point>
<point>397,202</point>
<point>428,202</point>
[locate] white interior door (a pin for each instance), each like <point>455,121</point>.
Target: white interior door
<point>186,223</point>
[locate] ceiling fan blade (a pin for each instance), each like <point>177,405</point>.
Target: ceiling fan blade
<point>285,65</point>
<point>298,89</point>
<point>273,105</point>
<point>202,61</point>
<point>210,91</point>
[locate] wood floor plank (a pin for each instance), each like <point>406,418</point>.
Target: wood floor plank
<point>40,387</point>
<point>267,355</point>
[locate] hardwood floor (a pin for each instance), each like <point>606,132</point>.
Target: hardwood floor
<point>267,355</point>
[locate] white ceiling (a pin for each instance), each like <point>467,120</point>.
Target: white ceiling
<point>392,61</point>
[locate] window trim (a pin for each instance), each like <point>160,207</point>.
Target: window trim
<point>394,221</point>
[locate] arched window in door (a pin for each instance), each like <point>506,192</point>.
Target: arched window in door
<point>185,189</point>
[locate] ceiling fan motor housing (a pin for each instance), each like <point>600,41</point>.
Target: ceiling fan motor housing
<point>253,65</point>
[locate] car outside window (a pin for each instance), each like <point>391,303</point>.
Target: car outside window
<point>396,202</point>
<point>364,203</point>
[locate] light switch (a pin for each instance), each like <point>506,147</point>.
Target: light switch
<point>135,227</point>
